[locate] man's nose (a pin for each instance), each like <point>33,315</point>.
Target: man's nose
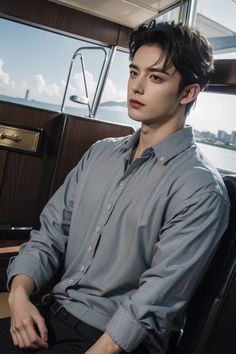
<point>138,86</point>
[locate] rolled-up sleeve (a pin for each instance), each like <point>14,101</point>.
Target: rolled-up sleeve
<point>186,244</point>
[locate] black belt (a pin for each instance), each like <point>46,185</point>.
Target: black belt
<point>48,302</point>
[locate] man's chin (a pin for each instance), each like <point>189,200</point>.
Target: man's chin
<point>135,117</point>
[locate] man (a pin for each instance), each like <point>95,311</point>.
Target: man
<point>134,225</point>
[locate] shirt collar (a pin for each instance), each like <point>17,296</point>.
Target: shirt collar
<point>167,148</point>
<point>174,144</point>
<point>131,141</point>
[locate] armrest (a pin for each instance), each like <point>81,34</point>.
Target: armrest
<point>4,307</point>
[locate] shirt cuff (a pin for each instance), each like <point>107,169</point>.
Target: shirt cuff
<point>125,330</point>
<point>24,265</point>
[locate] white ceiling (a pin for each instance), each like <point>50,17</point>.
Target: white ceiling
<point>130,13</point>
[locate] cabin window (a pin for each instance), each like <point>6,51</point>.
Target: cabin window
<point>215,128</point>
<point>170,15</point>
<point>34,65</point>
<point>216,20</point>
<point>213,116</point>
<point>113,106</point>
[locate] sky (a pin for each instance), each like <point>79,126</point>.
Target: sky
<point>39,61</point>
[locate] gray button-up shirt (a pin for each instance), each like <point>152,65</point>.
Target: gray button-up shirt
<point>134,239</point>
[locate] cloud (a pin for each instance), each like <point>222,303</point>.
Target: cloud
<point>41,90</point>
<point>111,93</point>
<point>40,87</point>
<point>5,79</point>
<point>77,87</point>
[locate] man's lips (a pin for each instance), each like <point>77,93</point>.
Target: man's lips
<point>136,104</point>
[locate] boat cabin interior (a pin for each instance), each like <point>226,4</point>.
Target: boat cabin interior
<point>39,145</point>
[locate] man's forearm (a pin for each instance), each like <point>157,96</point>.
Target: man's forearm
<point>104,345</point>
<point>23,282</point>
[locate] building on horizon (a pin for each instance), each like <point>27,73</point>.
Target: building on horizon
<point>223,136</point>
<point>208,135</point>
<point>233,138</point>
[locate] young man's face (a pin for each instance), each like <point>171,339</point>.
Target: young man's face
<point>153,96</point>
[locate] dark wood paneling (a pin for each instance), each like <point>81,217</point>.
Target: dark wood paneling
<point>52,15</point>
<point>225,72</point>
<point>79,135</point>
<point>124,35</point>
<point>224,77</point>
<point>3,159</point>
<point>26,183</point>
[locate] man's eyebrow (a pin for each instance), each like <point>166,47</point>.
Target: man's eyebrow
<point>150,69</point>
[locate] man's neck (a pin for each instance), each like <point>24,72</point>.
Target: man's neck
<point>151,135</point>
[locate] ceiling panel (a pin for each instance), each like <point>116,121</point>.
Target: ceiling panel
<point>129,13</point>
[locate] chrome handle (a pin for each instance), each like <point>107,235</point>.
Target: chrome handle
<point>13,137</point>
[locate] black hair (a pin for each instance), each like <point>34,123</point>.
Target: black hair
<point>183,47</point>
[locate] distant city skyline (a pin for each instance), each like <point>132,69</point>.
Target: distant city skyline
<point>222,138</point>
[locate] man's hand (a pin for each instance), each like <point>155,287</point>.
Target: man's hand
<point>104,345</point>
<point>28,329</point>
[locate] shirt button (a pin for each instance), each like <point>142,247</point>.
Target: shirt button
<point>98,228</point>
<point>82,268</point>
<point>108,206</point>
<point>121,183</point>
<point>89,249</point>
<point>66,301</point>
<point>71,281</point>
<point>162,158</point>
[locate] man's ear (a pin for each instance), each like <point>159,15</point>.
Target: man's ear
<point>189,93</point>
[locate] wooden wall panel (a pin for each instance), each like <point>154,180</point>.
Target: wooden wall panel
<point>123,38</point>
<point>66,19</point>
<point>224,77</point>
<point>27,178</point>
<point>225,72</point>
<point>3,160</point>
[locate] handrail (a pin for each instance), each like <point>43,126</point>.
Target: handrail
<point>102,81</point>
<point>108,58</point>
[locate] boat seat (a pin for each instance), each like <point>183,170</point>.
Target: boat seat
<point>211,315</point>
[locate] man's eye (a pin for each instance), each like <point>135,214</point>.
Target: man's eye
<point>133,74</point>
<point>156,78</point>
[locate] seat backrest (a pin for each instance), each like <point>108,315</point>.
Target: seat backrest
<point>211,315</point>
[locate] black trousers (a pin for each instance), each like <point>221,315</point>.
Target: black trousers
<point>66,335</point>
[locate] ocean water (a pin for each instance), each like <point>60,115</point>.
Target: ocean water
<point>224,159</point>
